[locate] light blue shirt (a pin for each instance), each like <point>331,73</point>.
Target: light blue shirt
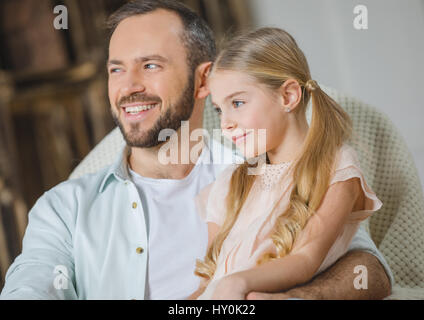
<point>87,239</point>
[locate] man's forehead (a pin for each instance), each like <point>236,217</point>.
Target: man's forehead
<point>158,32</point>
<point>159,25</point>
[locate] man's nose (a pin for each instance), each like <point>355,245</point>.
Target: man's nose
<point>134,82</point>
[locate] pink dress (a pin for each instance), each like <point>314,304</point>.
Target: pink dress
<point>249,238</point>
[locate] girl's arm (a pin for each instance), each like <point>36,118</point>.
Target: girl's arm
<point>199,291</point>
<point>300,265</point>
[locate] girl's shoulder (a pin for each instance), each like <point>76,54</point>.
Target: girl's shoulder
<point>211,200</point>
<point>225,175</point>
<point>347,166</point>
<point>346,157</point>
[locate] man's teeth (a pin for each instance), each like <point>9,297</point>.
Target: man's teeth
<point>137,109</point>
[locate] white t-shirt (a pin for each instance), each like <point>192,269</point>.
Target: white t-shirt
<point>177,235</point>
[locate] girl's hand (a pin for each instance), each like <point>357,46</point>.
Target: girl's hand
<point>232,287</point>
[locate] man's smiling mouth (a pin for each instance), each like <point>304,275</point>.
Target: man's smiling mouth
<point>136,108</point>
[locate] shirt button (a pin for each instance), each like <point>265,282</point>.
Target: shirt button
<point>139,250</point>
<point>134,205</point>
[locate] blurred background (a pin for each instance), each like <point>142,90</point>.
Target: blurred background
<point>53,83</point>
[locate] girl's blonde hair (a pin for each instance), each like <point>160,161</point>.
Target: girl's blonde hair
<point>271,56</point>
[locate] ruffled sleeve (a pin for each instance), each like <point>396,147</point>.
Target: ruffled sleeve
<point>347,167</point>
<point>211,200</point>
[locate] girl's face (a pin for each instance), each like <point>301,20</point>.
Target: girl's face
<point>245,107</point>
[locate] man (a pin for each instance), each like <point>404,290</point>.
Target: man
<point>131,231</point>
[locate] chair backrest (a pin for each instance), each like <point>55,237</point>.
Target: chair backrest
<point>398,228</point>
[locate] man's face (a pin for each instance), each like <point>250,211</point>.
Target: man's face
<point>150,85</point>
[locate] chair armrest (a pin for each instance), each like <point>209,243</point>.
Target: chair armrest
<point>399,293</point>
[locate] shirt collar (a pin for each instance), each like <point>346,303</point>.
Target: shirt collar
<point>119,169</point>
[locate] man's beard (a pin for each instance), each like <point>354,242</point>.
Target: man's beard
<point>171,119</point>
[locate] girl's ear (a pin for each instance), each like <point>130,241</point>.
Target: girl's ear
<point>291,93</point>
<point>201,76</point>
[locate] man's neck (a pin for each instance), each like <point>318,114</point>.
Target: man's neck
<point>180,154</point>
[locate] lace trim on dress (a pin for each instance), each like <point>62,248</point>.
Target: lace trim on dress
<point>273,173</point>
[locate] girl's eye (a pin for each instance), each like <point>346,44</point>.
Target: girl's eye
<point>218,111</point>
<point>237,103</point>
<point>151,66</point>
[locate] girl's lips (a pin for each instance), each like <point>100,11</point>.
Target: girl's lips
<point>240,138</point>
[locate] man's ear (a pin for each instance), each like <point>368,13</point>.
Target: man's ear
<point>201,76</point>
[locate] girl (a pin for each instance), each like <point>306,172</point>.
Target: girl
<point>273,231</point>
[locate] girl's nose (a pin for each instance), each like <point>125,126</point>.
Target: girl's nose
<point>227,123</point>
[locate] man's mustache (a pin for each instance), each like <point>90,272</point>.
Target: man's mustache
<point>138,97</point>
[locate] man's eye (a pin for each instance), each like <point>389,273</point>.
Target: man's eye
<point>237,103</point>
<point>151,66</point>
<point>114,70</point>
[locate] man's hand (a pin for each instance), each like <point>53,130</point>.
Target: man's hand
<point>337,282</point>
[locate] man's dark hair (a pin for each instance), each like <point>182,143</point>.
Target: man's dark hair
<point>197,37</point>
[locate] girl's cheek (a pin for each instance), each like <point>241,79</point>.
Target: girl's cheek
<point>254,121</point>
